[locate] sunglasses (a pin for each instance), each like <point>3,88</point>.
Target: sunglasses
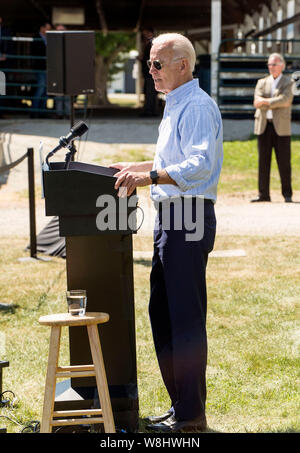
<point>158,65</point>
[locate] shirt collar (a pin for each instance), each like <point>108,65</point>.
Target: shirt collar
<point>277,79</point>
<point>181,92</point>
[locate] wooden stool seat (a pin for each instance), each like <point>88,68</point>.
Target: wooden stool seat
<point>91,416</point>
<point>65,319</point>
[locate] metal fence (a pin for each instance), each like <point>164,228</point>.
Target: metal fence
<point>239,71</point>
<point>25,81</point>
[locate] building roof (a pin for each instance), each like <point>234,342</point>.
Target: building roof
<point>130,14</point>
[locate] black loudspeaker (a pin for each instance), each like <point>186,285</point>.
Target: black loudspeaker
<point>70,62</point>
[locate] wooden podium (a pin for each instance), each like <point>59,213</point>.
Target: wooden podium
<point>100,261</point>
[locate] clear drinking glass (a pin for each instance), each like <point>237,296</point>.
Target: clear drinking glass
<point>76,299</point>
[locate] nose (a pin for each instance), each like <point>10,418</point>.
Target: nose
<point>152,69</point>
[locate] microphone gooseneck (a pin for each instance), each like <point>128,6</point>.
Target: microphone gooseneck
<point>67,142</point>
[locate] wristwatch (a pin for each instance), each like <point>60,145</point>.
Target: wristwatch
<point>154,176</point>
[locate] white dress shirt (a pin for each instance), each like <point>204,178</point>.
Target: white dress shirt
<point>273,88</point>
<point>190,144</point>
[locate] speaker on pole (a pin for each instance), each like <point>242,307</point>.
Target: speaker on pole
<point>70,62</point>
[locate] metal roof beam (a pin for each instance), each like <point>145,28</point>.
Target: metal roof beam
<point>274,27</point>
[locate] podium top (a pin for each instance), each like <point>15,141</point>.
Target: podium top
<point>86,168</point>
<point>75,191</point>
<point>78,194</point>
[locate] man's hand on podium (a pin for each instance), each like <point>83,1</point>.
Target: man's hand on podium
<point>128,180</point>
<point>131,175</point>
<point>137,174</point>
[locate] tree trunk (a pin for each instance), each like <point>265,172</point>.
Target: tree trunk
<point>99,98</point>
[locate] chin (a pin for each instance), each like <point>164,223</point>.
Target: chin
<point>159,87</point>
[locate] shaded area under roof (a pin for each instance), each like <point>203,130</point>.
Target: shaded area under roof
<point>26,15</point>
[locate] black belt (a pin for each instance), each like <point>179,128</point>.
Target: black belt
<point>270,121</point>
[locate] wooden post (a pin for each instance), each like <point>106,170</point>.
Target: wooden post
<point>31,190</point>
<point>49,395</point>
<point>102,387</point>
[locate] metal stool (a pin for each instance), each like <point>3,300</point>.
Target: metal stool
<point>92,416</point>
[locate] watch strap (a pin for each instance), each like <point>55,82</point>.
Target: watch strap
<point>154,176</point>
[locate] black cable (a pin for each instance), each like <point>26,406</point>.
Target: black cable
<point>11,419</point>
<point>32,426</point>
<point>4,402</point>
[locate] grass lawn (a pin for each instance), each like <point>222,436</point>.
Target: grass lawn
<point>239,172</point>
<point>253,364</point>
<point>253,320</point>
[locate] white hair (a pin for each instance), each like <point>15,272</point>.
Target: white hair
<point>278,56</point>
<point>181,46</point>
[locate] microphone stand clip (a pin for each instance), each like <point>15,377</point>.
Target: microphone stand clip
<point>69,155</point>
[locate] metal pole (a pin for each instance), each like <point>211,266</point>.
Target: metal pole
<point>71,111</point>
<point>138,81</point>
<point>72,118</point>
<point>31,190</point>
<point>215,33</point>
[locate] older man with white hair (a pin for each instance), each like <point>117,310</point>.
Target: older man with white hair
<point>273,98</point>
<point>187,165</point>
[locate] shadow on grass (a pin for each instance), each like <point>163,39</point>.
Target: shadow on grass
<point>8,308</point>
<point>143,429</point>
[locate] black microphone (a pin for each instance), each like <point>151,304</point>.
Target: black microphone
<point>65,142</point>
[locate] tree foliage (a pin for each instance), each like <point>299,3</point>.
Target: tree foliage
<point>111,50</point>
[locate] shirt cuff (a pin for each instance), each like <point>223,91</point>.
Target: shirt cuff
<point>174,173</point>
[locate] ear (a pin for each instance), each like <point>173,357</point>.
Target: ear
<point>184,64</point>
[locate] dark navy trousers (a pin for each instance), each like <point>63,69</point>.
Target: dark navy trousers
<point>177,309</point>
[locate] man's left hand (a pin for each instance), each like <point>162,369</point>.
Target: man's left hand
<point>127,181</point>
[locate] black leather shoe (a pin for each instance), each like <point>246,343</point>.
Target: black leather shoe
<point>288,199</point>
<point>171,425</point>
<point>160,418</point>
<point>259,199</point>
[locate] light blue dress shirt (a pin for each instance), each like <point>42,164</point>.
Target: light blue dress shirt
<point>190,144</point>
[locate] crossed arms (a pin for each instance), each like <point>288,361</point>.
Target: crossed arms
<point>283,99</point>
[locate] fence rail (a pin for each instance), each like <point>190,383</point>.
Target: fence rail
<point>26,80</point>
<point>239,72</point>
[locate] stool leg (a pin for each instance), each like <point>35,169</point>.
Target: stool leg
<point>49,395</point>
<point>109,425</point>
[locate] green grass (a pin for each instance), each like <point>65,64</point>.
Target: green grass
<point>239,172</point>
<point>253,334</point>
<point>253,377</point>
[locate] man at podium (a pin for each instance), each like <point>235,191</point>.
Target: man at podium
<point>186,166</point>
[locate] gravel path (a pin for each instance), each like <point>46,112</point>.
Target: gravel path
<point>235,215</point>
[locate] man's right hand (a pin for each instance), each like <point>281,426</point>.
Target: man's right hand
<point>133,166</point>
<point>122,165</point>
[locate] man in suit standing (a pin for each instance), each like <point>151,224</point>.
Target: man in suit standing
<point>273,98</point>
